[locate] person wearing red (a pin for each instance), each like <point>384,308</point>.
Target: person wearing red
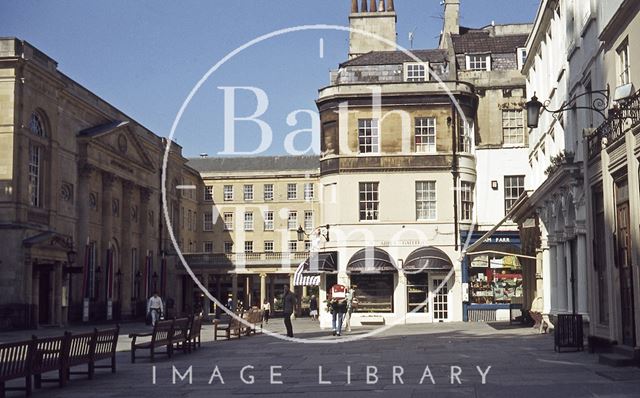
<point>338,306</point>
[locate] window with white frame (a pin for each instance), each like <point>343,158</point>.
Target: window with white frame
<point>207,246</point>
<point>369,201</point>
<point>228,192</point>
<point>207,222</point>
<point>208,193</point>
<point>293,246</point>
<point>522,57</point>
<point>36,125</point>
<point>268,246</point>
<point>416,72</point>
<point>292,191</point>
<point>624,68</point>
<point>425,134</point>
<point>425,200</point>
<point>268,220</point>
<point>512,127</point>
<point>35,170</point>
<point>307,245</point>
<point>513,188</point>
<point>479,62</point>
<point>465,131</point>
<point>308,191</point>
<point>228,221</point>
<point>248,246</point>
<point>466,201</point>
<point>308,220</point>
<point>248,192</point>
<point>228,247</point>
<point>248,221</point>
<point>368,139</point>
<point>268,192</point>
<point>292,220</point>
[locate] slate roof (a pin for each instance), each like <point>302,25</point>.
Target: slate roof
<point>255,163</point>
<point>481,42</point>
<point>395,57</point>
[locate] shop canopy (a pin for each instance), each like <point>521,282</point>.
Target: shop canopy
<point>301,279</point>
<point>321,262</point>
<point>371,260</point>
<point>427,258</point>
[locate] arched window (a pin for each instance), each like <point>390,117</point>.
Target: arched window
<point>36,125</point>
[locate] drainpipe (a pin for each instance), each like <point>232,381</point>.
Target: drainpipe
<point>453,124</point>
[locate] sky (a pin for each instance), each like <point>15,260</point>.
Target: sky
<point>145,57</point>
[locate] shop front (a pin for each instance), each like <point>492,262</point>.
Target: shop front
<point>493,278</point>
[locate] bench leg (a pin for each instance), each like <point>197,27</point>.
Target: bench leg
<point>133,355</point>
<point>151,356</point>
<point>62,374</point>
<point>91,369</point>
<point>2,389</point>
<point>37,381</point>
<point>113,363</point>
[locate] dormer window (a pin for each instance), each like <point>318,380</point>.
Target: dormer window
<point>479,62</point>
<point>522,57</point>
<point>416,72</point>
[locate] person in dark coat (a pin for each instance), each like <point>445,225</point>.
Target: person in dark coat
<point>313,308</point>
<point>288,306</point>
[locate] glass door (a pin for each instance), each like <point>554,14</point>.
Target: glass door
<point>439,299</point>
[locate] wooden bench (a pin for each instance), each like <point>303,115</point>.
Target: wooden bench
<point>106,342</point>
<point>161,336</point>
<point>50,356</point>
<point>15,363</point>
<point>195,329</point>
<point>233,327</point>
<point>539,322</point>
<point>180,335</point>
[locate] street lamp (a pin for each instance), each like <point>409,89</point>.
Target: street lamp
<point>302,234</point>
<point>598,104</point>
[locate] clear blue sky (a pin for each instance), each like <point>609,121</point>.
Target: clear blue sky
<point>144,56</point>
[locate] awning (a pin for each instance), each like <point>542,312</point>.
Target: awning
<point>321,262</point>
<point>370,260</point>
<point>427,258</point>
<point>300,279</point>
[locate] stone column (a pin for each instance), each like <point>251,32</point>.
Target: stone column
<point>570,275</point>
<point>82,227</point>
<point>108,180</point>
<point>247,291</point>
<point>581,270</point>
<point>551,275</point>
<point>57,295</point>
<point>124,286</point>
<point>143,228</point>
<point>206,303</point>
<point>234,290</point>
<point>263,288</point>
<point>543,284</point>
<point>305,291</point>
<point>561,272</point>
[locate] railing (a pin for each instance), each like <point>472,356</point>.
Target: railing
<point>232,259</point>
<point>620,119</point>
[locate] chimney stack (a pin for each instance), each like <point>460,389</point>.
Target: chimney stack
<point>354,6</point>
<point>363,6</point>
<point>375,19</point>
<point>382,6</point>
<point>452,16</point>
<point>373,6</point>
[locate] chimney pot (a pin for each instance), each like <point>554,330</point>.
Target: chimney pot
<point>381,6</point>
<point>373,6</point>
<point>363,6</point>
<point>354,6</point>
<point>390,6</point>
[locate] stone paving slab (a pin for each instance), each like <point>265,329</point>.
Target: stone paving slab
<point>523,364</point>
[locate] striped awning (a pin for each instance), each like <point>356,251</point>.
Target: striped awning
<point>301,279</point>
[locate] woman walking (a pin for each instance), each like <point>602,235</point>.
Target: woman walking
<point>266,308</point>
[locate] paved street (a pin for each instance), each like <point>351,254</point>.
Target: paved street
<point>523,364</point>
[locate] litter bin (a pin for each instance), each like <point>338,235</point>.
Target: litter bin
<point>568,332</point>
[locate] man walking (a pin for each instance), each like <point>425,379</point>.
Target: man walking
<point>155,308</point>
<point>288,305</point>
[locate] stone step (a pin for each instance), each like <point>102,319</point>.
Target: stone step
<point>616,360</point>
<point>627,351</point>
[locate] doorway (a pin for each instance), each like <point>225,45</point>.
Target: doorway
<point>623,259</point>
<point>44,298</point>
<point>440,299</point>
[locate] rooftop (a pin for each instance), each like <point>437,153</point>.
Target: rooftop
<point>481,41</point>
<point>395,57</point>
<point>257,163</point>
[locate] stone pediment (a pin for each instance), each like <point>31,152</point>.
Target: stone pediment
<point>121,143</point>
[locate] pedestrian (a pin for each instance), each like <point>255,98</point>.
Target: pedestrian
<point>350,306</point>
<point>155,308</point>
<point>266,308</point>
<point>338,308</point>
<point>230,303</point>
<point>288,305</point>
<point>313,308</point>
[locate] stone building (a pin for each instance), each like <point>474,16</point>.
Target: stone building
<point>491,58</point>
<point>247,247</point>
<point>584,164</point>
<point>80,204</point>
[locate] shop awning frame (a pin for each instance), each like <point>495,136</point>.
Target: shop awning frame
<point>371,260</point>
<point>319,262</point>
<point>427,258</point>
